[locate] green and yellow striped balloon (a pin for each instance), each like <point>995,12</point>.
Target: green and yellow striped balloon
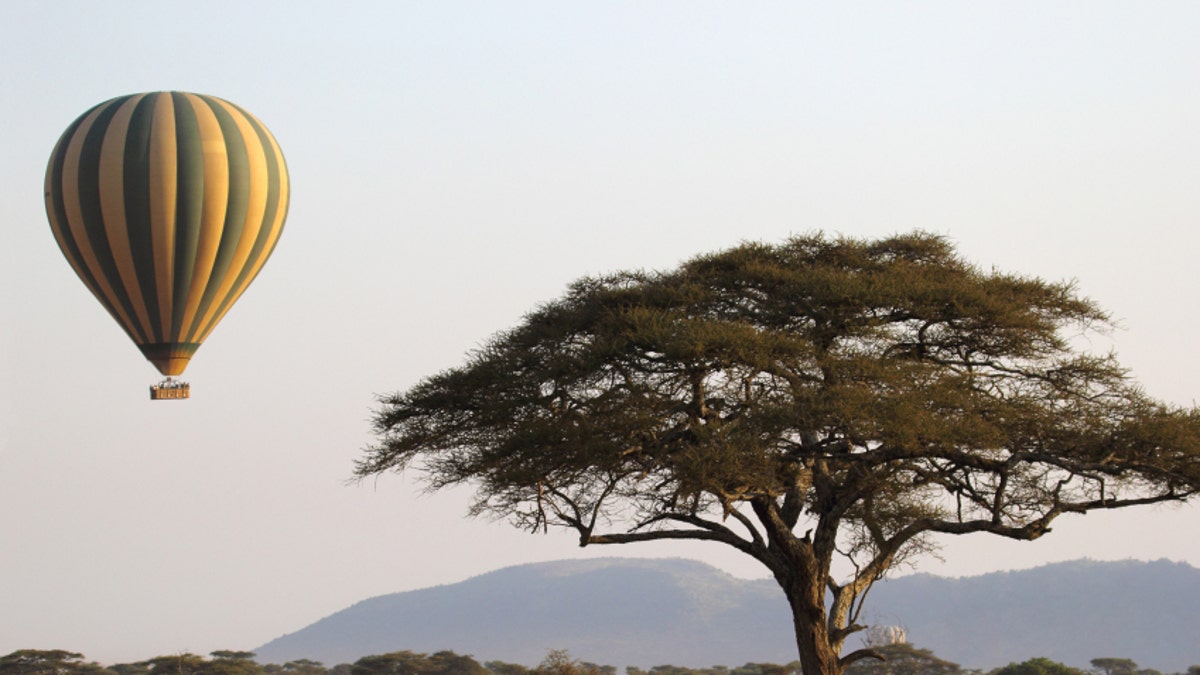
<point>167,205</point>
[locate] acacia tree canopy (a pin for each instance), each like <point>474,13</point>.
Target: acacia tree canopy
<point>822,398</point>
<point>904,659</point>
<point>1039,666</point>
<point>47,662</point>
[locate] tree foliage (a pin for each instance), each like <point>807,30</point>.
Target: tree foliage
<point>505,668</point>
<point>47,662</point>
<point>818,399</point>
<point>413,663</point>
<point>903,659</point>
<point>303,667</point>
<point>1115,666</point>
<point>560,662</point>
<point>223,662</point>
<point>1038,666</point>
<point>751,668</point>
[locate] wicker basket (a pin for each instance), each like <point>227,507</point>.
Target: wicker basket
<point>167,391</point>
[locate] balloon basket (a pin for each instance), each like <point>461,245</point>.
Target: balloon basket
<point>170,389</point>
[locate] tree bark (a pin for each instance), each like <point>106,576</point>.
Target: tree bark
<point>806,597</point>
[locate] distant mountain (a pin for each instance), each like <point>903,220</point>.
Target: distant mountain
<point>624,611</point>
<point>612,610</point>
<point>1071,612</point>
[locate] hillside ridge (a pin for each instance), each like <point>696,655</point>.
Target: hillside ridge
<point>656,611</point>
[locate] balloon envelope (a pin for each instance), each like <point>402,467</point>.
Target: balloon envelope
<point>167,205</point>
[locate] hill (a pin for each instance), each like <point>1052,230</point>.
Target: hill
<point>1071,612</point>
<point>643,612</point>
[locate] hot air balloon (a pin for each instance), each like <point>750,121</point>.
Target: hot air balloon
<point>166,205</point>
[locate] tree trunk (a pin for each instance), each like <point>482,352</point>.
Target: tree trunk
<point>818,656</point>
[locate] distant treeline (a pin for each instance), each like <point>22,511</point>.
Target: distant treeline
<point>901,659</point>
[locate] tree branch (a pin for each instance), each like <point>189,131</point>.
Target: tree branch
<point>860,654</point>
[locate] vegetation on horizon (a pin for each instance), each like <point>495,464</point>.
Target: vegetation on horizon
<point>901,659</point>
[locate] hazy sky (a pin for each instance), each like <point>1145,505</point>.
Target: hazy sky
<point>455,163</point>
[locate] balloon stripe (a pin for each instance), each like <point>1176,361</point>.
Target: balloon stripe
<point>212,222</point>
<point>163,186</point>
<point>113,191</point>
<point>137,170</point>
<point>257,183</point>
<point>56,210</point>
<point>171,358</point>
<point>81,194</point>
<point>189,211</point>
<point>274,213</point>
<point>72,218</point>
<point>236,215</point>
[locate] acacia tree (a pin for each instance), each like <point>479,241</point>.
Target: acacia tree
<point>47,662</point>
<point>815,400</point>
<point>1115,666</point>
<point>904,659</point>
<point>1039,666</point>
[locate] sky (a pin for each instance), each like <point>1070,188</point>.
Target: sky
<point>454,164</point>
